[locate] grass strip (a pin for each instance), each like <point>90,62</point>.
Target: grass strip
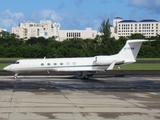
<point>2,65</point>
<point>134,66</point>
<point>140,66</point>
<point>10,58</point>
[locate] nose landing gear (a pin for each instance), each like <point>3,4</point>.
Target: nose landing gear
<point>15,76</point>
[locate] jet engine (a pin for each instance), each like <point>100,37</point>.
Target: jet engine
<point>106,60</point>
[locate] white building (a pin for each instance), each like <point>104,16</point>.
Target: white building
<point>2,29</point>
<point>48,29</point>
<point>84,34</point>
<point>125,28</point>
<point>43,29</point>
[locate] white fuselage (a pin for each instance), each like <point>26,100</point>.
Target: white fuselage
<point>62,64</point>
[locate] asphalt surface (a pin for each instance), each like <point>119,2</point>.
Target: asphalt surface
<point>116,73</point>
<point>64,97</point>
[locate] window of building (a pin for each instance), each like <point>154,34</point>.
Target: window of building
<point>92,34</point>
<point>46,33</point>
<point>38,32</point>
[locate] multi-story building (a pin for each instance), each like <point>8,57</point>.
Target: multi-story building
<point>48,29</point>
<point>125,28</point>
<point>45,29</point>
<point>84,34</point>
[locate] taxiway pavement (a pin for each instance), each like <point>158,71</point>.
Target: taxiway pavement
<point>67,98</point>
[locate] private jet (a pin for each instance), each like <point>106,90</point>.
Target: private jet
<point>83,65</point>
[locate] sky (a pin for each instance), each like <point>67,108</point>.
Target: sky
<point>76,14</point>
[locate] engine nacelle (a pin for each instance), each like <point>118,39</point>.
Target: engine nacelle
<point>107,60</point>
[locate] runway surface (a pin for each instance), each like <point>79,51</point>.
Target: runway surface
<point>68,98</point>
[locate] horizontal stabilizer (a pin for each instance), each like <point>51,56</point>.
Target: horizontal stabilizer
<point>112,65</point>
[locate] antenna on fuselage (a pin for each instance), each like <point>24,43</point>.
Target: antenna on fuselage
<point>44,57</point>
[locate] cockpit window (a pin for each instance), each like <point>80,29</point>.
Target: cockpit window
<point>17,62</point>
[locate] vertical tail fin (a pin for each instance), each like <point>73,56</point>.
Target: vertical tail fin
<point>130,51</point>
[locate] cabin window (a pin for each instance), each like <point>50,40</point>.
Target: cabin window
<point>42,64</point>
<point>67,63</point>
<point>48,64</point>
<point>74,63</point>
<point>61,63</point>
<point>55,63</point>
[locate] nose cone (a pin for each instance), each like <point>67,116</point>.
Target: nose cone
<point>7,68</point>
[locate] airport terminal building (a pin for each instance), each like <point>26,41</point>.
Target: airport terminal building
<point>125,28</point>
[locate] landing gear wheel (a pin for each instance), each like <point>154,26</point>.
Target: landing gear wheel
<point>86,77</point>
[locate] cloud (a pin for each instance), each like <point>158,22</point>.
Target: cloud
<point>7,22</point>
<point>151,5</point>
<point>9,14</point>
<point>83,21</point>
<point>33,15</point>
<point>9,19</point>
<point>68,20</point>
<point>45,14</point>
<point>144,9</point>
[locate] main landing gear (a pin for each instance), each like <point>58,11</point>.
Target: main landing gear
<point>85,76</point>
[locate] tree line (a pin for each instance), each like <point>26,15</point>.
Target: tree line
<point>13,46</point>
